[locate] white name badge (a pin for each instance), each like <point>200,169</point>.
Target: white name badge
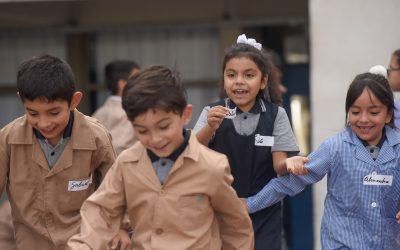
<point>378,180</point>
<point>231,113</point>
<point>74,186</point>
<point>266,141</point>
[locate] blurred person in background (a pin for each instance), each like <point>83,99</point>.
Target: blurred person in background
<point>394,81</point>
<point>111,114</point>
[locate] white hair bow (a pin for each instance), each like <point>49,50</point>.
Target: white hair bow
<point>250,41</point>
<point>379,70</point>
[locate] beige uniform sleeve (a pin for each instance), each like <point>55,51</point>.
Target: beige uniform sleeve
<point>101,213</point>
<point>7,240</point>
<point>235,224</point>
<point>106,157</point>
<point>4,159</point>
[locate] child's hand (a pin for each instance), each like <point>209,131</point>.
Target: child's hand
<point>215,116</point>
<point>121,241</point>
<point>398,217</point>
<point>295,165</point>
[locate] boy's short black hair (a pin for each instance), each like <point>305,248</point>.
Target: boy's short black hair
<point>155,87</point>
<point>117,70</point>
<point>45,77</point>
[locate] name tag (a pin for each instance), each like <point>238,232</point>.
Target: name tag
<point>266,141</point>
<point>378,180</point>
<point>74,186</point>
<point>231,113</point>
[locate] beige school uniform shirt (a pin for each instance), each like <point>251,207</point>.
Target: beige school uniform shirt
<point>178,215</point>
<point>7,241</point>
<point>46,202</point>
<point>114,118</point>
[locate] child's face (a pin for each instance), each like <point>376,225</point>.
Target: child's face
<point>161,131</point>
<point>50,118</point>
<point>242,81</point>
<point>394,73</point>
<point>367,117</point>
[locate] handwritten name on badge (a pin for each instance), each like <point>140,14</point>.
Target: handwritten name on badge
<point>231,113</point>
<point>378,180</point>
<point>74,186</point>
<point>266,141</point>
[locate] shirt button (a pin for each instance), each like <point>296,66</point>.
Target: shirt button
<point>159,231</point>
<point>375,237</point>
<point>163,163</point>
<point>374,173</point>
<point>373,204</point>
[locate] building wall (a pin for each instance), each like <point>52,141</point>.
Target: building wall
<point>346,38</point>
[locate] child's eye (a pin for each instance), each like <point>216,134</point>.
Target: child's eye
<point>54,113</point>
<point>375,113</point>
<point>32,114</point>
<point>164,127</point>
<point>249,75</point>
<point>355,112</point>
<point>142,132</point>
<point>230,75</point>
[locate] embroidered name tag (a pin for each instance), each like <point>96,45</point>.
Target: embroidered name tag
<point>231,113</point>
<point>266,141</point>
<point>79,185</point>
<point>378,180</point>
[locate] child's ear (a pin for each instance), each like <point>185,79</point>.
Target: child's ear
<point>264,82</point>
<point>187,114</point>
<point>121,86</point>
<point>76,99</point>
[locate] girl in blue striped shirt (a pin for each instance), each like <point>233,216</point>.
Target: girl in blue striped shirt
<point>363,167</point>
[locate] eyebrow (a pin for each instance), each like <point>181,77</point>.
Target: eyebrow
<point>160,121</point>
<point>52,109</point>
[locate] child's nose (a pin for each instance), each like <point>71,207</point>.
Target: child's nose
<point>155,137</point>
<point>43,123</point>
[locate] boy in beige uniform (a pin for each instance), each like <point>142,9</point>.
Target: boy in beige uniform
<point>111,114</point>
<point>173,187</point>
<point>53,157</point>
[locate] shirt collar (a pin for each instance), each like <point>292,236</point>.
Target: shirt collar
<point>177,152</point>
<point>67,131</point>
<point>380,143</point>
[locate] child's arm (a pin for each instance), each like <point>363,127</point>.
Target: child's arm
<point>214,117</point>
<point>236,229</point>
<point>284,165</point>
<point>398,217</point>
<point>101,213</point>
<point>319,164</point>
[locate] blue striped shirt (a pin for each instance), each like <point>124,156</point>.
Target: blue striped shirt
<point>356,215</point>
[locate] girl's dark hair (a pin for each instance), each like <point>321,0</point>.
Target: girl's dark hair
<point>155,87</point>
<point>378,85</point>
<point>254,54</point>
<point>45,77</point>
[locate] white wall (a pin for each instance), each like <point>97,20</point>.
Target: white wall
<point>346,38</point>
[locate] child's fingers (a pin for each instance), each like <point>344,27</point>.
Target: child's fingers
<point>398,217</point>
<point>114,244</point>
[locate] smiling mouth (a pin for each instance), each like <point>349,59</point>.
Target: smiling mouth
<point>240,92</point>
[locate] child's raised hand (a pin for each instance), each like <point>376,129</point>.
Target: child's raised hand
<point>295,165</point>
<point>216,115</point>
<point>398,217</point>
